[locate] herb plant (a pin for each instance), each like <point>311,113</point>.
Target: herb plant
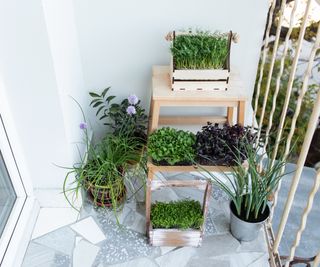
<point>103,169</point>
<point>170,146</point>
<point>213,144</point>
<point>200,50</point>
<point>183,214</point>
<point>126,118</point>
<point>252,183</point>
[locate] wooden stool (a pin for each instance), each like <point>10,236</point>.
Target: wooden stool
<point>163,96</point>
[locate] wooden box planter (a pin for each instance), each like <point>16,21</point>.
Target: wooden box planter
<point>176,237</point>
<point>200,79</point>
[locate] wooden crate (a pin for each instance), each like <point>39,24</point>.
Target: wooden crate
<point>176,237</point>
<point>200,80</point>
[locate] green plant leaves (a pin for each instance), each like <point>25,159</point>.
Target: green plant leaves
<point>171,146</point>
<point>182,214</point>
<point>200,50</point>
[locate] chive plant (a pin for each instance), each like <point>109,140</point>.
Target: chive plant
<point>251,183</point>
<point>200,50</point>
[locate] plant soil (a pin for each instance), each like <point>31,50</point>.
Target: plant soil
<point>261,216</point>
<point>165,163</point>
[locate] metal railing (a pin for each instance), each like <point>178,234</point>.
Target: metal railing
<point>274,239</point>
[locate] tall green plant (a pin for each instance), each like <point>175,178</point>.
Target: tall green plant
<point>103,165</point>
<point>252,182</point>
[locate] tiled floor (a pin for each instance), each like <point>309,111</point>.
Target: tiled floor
<point>97,241</point>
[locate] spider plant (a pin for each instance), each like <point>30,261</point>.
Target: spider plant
<point>200,50</point>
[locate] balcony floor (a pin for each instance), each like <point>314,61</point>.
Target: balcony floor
<point>126,245</point>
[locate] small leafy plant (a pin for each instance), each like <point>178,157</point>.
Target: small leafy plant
<point>182,214</point>
<point>126,118</point>
<point>170,146</point>
<point>215,145</point>
<point>200,50</point>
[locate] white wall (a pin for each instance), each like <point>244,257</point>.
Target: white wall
<point>121,40</point>
<point>43,44</point>
<point>28,77</point>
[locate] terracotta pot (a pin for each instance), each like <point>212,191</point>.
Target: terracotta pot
<point>102,196</point>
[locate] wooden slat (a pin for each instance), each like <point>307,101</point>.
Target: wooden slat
<point>192,168</point>
<point>200,120</point>
<point>162,90</point>
<point>199,86</point>
<point>199,184</point>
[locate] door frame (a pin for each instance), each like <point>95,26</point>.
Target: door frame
<point>17,233</point>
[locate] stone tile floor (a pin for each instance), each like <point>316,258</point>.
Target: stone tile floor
<point>125,244</point>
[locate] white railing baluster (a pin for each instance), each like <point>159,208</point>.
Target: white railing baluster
<point>303,91</point>
<point>291,78</point>
<point>313,121</point>
<point>263,60</point>
<point>273,60</point>
<point>316,260</point>
<point>279,75</point>
<point>304,218</point>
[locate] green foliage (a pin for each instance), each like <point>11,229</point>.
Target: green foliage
<point>103,166</point>
<point>171,145</point>
<point>306,106</point>
<point>183,214</point>
<point>200,50</point>
<point>116,116</point>
<point>251,183</point>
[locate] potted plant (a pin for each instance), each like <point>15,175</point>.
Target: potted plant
<point>215,144</point>
<point>200,59</point>
<point>102,171</point>
<point>176,223</point>
<point>125,118</point>
<point>252,184</point>
<point>168,146</point>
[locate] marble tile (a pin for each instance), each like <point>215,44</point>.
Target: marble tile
<point>217,245</point>
<point>257,245</point>
<point>89,230</point>
<point>179,257</point>
<point>61,240</point>
<point>207,262</point>
<point>137,263</point>
<point>50,219</point>
<point>165,250</point>
<point>84,254</point>
<point>122,244</point>
<point>41,256</point>
<point>245,259</point>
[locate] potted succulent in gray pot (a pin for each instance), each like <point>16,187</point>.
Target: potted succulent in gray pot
<point>252,183</point>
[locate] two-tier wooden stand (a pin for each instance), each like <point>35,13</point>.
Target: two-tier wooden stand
<point>163,96</point>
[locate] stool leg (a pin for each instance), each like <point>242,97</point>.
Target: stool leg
<point>241,112</point>
<point>155,113</point>
<point>230,115</point>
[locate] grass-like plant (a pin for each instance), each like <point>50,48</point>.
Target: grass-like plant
<point>182,214</point>
<point>102,170</point>
<point>200,50</point>
<point>170,146</point>
<point>251,183</point>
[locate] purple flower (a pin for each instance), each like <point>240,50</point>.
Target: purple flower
<point>131,110</point>
<point>133,99</point>
<point>83,125</point>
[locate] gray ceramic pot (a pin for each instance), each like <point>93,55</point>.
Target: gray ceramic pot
<point>245,231</point>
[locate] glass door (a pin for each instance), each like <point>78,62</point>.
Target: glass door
<point>7,194</point>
